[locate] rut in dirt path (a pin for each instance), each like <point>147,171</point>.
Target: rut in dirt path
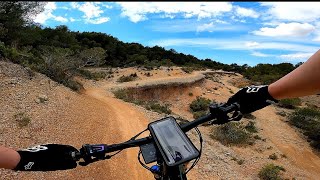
<point>126,121</point>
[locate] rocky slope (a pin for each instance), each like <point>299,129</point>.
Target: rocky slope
<point>54,114</point>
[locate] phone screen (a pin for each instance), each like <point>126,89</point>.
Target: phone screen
<point>175,146</point>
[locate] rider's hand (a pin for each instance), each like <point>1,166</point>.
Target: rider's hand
<point>252,98</point>
<point>48,157</point>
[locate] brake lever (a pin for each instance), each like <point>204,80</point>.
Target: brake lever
<point>221,112</point>
<point>91,153</point>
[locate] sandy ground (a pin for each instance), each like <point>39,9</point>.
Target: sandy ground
<point>95,116</point>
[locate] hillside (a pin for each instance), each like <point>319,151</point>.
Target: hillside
<point>217,162</point>
<point>71,87</point>
<point>76,118</point>
<point>65,117</point>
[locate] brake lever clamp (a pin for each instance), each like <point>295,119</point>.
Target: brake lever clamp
<point>222,110</point>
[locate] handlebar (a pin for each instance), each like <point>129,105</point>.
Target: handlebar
<point>218,113</point>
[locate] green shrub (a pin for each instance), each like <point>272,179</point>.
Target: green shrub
<point>214,78</point>
<point>131,77</point>
<point>190,69</point>
<point>250,127</point>
<point>257,137</point>
<point>22,119</point>
<point>157,107</point>
<point>308,119</point>
<point>8,52</point>
<point>91,75</point>
<point>187,69</point>
<point>290,103</point>
<point>58,74</point>
<point>122,94</point>
<point>239,161</point>
<point>200,104</point>
<point>281,113</point>
<point>138,102</point>
<point>271,172</point>
<point>72,84</point>
<point>200,107</point>
<point>199,114</point>
<point>232,133</point>
<point>190,94</point>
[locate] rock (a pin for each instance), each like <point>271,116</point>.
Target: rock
<point>44,97</point>
<point>37,100</point>
<point>41,99</point>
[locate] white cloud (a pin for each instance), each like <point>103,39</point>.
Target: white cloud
<point>287,30</point>
<point>92,11</point>
<point>205,27</point>
<point>296,56</point>
<point>171,16</point>
<point>137,11</point>
<point>60,19</point>
<point>316,38</point>
<point>317,32</point>
<point>294,11</point>
<point>236,44</point>
<point>259,54</point>
<point>107,6</point>
<point>271,23</point>
<point>46,14</point>
<point>74,5</point>
<point>221,21</point>
<point>99,20</point>
<point>190,25</point>
<point>244,12</point>
<point>72,19</point>
<point>64,7</point>
<point>251,44</point>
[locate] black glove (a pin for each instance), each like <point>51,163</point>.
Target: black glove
<point>252,98</point>
<point>48,157</point>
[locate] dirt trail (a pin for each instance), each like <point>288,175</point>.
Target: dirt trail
<point>132,121</point>
<point>127,121</point>
<point>289,142</point>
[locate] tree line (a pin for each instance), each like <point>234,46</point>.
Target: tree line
<point>59,52</point>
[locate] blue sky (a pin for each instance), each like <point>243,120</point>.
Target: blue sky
<point>228,32</point>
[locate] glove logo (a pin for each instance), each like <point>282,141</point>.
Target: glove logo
<point>29,165</point>
<point>36,148</point>
<point>253,89</point>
